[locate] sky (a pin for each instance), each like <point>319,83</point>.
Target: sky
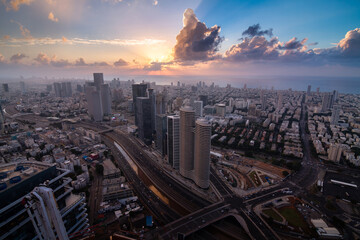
<point>67,38</point>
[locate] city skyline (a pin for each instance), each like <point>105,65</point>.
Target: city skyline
<point>131,38</point>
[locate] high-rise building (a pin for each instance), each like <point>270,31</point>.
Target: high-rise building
<point>173,140</point>
<point>202,153</point>
<point>279,101</point>
<point>308,90</point>
<point>326,102</point>
<point>204,99</point>
<point>334,97</point>
<point>57,89</point>
<point>317,90</point>
<point>161,128</point>
<point>63,89</point>
<point>2,120</point>
<point>262,100</point>
<point>5,87</point>
<point>220,109</point>
<point>138,90</point>
<point>198,106</point>
<point>143,115</point>
<point>98,80</point>
<point>105,99</point>
<point>22,87</point>
<point>49,88</point>
<point>160,103</point>
<point>187,124</point>
<point>31,211</point>
<point>334,152</point>
<point>335,115</point>
<point>152,108</point>
<point>93,98</point>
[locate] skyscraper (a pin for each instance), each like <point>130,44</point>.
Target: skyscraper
<point>326,102</point>
<point>22,87</point>
<point>204,99</point>
<point>202,153</point>
<point>173,140</point>
<point>198,106</point>
<point>279,101</point>
<point>335,115</point>
<point>93,98</point>
<point>2,120</point>
<point>98,80</point>
<point>308,90</point>
<point>143,114</point>
<point>57,89</point>
<point>138,90</point>
<point>187,124</point>
<point>263,100</point>
<point>31,211</point>
<point>105,99</point>
<point>161,127</point>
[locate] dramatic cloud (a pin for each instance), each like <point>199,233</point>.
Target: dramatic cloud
<point>256,48</point>
<point>350,45</point>
<point>120,63</point>
<point>196,41</point>
<point>15,4</point>
<point>155,2</point>
<point>16,58</point>
<point>24,31</point>
<point>52,17</point>
<point>293,44</point>
<point>254,30</point>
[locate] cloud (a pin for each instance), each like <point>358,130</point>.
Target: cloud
<point>254,30</point>
<point>155,2</point>
<point>255,48</point>
<point>313,44</point>
<point>16,58</point>
<point>60,63</point>
<point>42,58</point>
<point>350,45</point>
<point>154,66</point>
<point>81,63</point>
<point>196,41</point>
<point>24,31</point>
<point>6,37</point>
<point>2,58</point>
<point>52,17</point>
<point>120,63</point>
<point>29,40</point>
<point>15,4</point>
<point>293,44</point>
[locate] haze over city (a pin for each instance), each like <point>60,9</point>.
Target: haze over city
<point>169,119</point>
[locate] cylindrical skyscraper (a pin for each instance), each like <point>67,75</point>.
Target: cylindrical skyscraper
<point>187,124</point>
<point>202,153</point>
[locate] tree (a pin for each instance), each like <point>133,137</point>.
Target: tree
<point>285,173</point>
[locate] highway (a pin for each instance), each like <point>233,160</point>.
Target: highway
<point>172,189</point>
<point>161,212</point>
